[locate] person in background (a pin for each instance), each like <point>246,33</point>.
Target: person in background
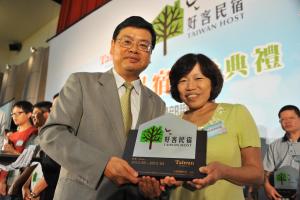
<point>87,130</point>
<point>283,151</point>
<point>17,141</point>
<point>40,113</point>
<point>21,114</point>
<point>233,150</point>
<point>45,187</point>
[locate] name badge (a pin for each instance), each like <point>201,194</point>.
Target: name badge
<point>19,143</point>
<point>215,129</point>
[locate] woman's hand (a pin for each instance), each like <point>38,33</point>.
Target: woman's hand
<point>251,171</point>
<point>170,181</point>
<point>215,171</point>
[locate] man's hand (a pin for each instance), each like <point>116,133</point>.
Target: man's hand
<point>2,188</point>
<point>271,192</point>
<point>119,172</point>
<point>149,187</point>
<point>8,148</point>
<point>26,193</point>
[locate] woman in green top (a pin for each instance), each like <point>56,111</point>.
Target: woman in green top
<point>233,147</point>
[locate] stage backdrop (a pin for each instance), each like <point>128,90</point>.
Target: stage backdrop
<point>255,42</point>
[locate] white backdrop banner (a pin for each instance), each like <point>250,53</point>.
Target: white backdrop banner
<point>255,42</point>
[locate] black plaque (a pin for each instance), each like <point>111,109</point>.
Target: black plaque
<point>181,169</point>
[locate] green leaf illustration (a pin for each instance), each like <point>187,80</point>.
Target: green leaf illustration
<point>152,134</point>
<point>282,177</point>
<point>168,24</point>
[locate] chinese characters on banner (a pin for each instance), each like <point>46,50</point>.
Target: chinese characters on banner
<point>202,20</point>
<point>266,58</point>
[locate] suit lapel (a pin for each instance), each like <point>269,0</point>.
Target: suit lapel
<point>112,105</point>
<point>146,108</point>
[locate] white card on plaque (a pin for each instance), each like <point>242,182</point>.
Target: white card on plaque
<point>167,136</point>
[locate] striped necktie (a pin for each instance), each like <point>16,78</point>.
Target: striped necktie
<point>126,107</point>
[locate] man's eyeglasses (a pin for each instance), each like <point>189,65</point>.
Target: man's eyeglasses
<point>16,114</point>
<point>128,43</point>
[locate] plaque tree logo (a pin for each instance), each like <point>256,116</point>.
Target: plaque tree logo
<point>152,134</point>
<point>168,24</point>
<point>282,177</point>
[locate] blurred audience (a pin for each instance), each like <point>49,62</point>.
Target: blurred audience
<point>45,187</point>
<point>25,117</point>
<point>17,141</point>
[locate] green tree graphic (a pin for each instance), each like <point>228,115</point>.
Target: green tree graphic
<point>152,134</point>
<point>168,24</point>
<point>34,177</point>
<point>281,177</point>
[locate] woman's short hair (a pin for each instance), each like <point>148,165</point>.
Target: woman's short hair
<point>185,65</point>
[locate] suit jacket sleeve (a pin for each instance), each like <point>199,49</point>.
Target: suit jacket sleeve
<point>58,137</point>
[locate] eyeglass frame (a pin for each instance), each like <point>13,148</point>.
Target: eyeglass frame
<point>17,113</point>
<point>129,46</point>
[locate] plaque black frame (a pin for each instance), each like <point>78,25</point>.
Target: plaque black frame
<point>161,167</point>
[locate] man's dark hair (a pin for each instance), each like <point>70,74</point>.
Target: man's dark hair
<point>56,95</point>
<point>137,22</point>
<point>289,107</point>
<point>185,65</point>
<point>26,106</point>
<point>45,106</point>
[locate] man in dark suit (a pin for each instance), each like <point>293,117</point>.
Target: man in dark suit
<point>85,132</point>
